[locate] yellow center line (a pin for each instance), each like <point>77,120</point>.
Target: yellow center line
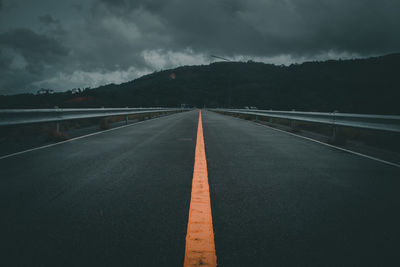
<point>200,246</point>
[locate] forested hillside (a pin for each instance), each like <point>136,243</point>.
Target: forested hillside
<point>360,85</point>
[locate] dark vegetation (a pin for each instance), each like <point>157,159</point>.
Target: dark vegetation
<point>357,86</point>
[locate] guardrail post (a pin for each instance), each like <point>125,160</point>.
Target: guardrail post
<point>126,119</point>
<point>292,125</point>
<point>57,122</point>
<point>334,134</point>
<point>334,128</point>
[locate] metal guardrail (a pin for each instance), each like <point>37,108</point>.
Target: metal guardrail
<point>27,116</point>
<point>390,123</point>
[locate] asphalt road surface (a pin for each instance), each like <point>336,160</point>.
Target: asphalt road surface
<point>121,198</point>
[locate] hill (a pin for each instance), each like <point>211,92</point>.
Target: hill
<point>359,85</point>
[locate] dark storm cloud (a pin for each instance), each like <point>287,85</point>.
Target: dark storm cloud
<point>26,57</point>
<point>32,46</point>
<point>48,19</point>
<point>100,41</point>
<point>271,27</point>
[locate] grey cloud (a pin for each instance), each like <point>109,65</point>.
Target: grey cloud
<point>78,6</point>
<point>48,20</point>
<point>110,42</point>
<point>153,5</point>
<point>53,26</point>
<point>108,38</point>
<point>14,76</point>
<point>33,46</point>
<point>5,61</point>
<point>28,56</point>
<point>271,27</point>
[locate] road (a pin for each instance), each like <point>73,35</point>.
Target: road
<point>121,198</point>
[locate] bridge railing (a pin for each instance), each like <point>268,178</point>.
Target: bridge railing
<point>27,116</point>
<point>390,123</point>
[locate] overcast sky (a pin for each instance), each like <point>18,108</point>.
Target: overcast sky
<point>67,44</point>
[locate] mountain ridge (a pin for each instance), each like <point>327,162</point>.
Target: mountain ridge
<point>369,85</point>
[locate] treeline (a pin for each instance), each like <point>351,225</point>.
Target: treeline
<point>359,86</point>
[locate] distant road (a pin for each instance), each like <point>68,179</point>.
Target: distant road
<point>121,198</point>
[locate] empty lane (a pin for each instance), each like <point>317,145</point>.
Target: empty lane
<point>279,200</point>
<point>115,199</point>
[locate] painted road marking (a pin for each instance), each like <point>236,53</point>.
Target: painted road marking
<point>200,246</point>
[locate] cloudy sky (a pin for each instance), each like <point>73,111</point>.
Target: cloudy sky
<point>65,44</point>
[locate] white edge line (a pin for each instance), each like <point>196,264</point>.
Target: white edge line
<point>80,137</point>
<point>325,144</point>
